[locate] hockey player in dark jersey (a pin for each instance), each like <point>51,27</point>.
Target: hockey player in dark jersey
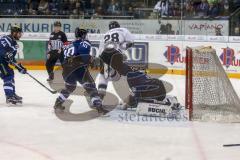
<point>8,50</point>
<point>75,69</point>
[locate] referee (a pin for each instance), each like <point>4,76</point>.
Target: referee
<point>55,44</point>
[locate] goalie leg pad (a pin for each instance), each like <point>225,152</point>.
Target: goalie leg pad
<point>168,106</point>
<point>153,109</point>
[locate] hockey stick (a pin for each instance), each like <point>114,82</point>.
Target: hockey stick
<point>51,91</point>
<point>231,145</point>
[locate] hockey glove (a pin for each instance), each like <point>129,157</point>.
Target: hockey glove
<point>21,69</point>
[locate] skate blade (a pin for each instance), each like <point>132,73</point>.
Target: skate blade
<point>19,104</point>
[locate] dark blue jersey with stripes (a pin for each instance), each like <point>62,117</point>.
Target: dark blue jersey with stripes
<point>7,45</point>
<point>78,48</point>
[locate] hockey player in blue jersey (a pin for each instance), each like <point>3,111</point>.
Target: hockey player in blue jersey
<point>8,50</point>
<point>75,69</point>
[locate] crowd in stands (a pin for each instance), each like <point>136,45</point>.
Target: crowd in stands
<point>69,7</point>
<point>196,8</point>
<point>97,8</point>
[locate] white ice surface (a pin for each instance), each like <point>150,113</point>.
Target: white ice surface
<point>33,131</point>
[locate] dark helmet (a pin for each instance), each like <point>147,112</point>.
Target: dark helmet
<point>16,28</point>
<point>57,23</point>
<point>114,24</point>
<point>80,33</point>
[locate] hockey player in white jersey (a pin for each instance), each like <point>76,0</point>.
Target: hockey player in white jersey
<point>119,39</point>
<point>145,89</point>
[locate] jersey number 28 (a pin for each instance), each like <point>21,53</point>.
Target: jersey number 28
<point>112,37</point>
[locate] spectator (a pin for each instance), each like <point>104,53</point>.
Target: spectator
<point>218,32</point>
<point>162,7</point>
<point>33,7</point>
<point>162,29</point>
<point>53,7</point>
<point>190,11</point>
<point>43,7</point>
<point>169,29</point>
<point>236,31</point>
<point>202,9</point>
<point>130,11</point>
<point>224,7</point>
<point>113,8</point>
<point>213,10</point>
<point>236,4</point>
<point>99,12</point>
<point>72,7</point>
<point>64,8</point>
<point>79,7</point>
<point>176,10</point>
<point>22,7</point>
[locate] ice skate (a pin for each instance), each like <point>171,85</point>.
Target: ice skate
<point>13,100</point>
<point>51,77</point>
<point>17,97</point>
<point>59,105</point>
<point>96,103</point>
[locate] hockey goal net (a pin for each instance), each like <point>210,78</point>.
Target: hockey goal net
<point>210,95</point>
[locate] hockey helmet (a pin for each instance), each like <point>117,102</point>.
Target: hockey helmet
<point>114,24</point>
<point>57,24</point>
<point>16,28</point>
<point>80,33</point>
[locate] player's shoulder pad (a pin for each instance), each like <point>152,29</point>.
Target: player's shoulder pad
<point>120,29</point>
<point>7,39</point>
<point>126,30</point>
<point>61,32</point>
<point>88,42</point>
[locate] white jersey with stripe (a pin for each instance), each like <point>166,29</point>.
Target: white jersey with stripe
<point>116,38</point>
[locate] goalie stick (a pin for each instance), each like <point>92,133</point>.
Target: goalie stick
<point>51,91</point>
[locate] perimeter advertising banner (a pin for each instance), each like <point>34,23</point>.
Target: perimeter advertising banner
<point>155,26</point>
<point>137,56</point>
<point>169,53</point>
<point>172,54</point>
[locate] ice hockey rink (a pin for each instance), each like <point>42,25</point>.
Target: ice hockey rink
<point>34,132</point>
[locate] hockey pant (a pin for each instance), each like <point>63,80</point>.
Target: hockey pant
<point>7,75</point>
<point>54,56</point>
<point>75,72</point>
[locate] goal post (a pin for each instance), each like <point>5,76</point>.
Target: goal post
<point>210,95</point>
<point>188,87</point>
